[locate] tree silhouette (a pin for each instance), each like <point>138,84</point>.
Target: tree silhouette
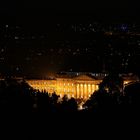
<point>15,96</point>
<point>112,83</point>
<point>132,96</point>
<point>100,101</point>
<point>68,105</point>
<point>18,96</point>
<point>108,97</point>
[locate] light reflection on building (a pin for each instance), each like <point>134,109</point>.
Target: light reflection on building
<point>79,86</point>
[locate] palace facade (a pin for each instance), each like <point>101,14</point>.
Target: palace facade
<point>79,85</point>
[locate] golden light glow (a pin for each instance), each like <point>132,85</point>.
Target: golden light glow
<point>85,90</point>
<point>77,88</point>
<point>97,87</point>
<point>89,89</point>
<point>81,89</point>
<point>126,82</point>
<point>93,88</point>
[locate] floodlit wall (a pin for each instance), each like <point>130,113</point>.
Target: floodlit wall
<point>79,87</point>
<point>63,86</point>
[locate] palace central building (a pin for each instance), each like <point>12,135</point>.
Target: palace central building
<point>77,85</point>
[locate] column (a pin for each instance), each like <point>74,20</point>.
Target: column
<point>97,87</point>
<point>72,90</point>
<point>81,90</point>
<point>89,89</point>
<point>77,90</point>
<point>93,88</point>
<point>85,90</point>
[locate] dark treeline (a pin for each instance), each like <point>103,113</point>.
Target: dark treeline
<point>49,113</point>
<point>112,97</point>
<point>19,97</point>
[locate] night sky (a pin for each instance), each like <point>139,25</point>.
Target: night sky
<point>38,39</point>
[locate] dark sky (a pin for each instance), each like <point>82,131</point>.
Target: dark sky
<point>99,8</point>
<point>96,5</point>
<point>40,18</point>
<point>77,5</point>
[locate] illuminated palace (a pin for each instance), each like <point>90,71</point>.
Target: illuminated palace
<point>77,85</point>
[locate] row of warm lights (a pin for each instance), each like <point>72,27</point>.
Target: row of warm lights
<point>82,90</point>
<point>68,94</point>
<point>72,96</point>
<point>67,84</point>
<point>77,84</point>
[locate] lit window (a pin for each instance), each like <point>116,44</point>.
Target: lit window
<point>72,84</point>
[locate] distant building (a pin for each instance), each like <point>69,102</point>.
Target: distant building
<point>77,85</point>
